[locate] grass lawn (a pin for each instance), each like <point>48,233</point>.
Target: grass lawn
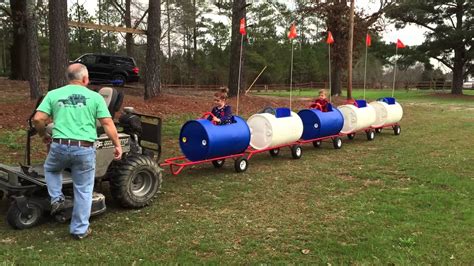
<point>404,199</point>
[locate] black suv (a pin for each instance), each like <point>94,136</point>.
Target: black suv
<point>115,69</point>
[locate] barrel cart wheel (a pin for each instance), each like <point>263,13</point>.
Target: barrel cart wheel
<point>317,143</point>
<point>218,163</point>
<point>378,130</point>
<point>370,134</point>
<point>241,165</point>
<point>274,152</point>
<point>397,130</point>
<point>296,151</point>
<point>19,220</point>
<point>351,136</point>
<point>337,142</point>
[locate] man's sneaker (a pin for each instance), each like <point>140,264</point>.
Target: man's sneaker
<point>57,206</point>
<point>82,236</point>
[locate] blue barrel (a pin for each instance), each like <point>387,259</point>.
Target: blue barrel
<point>317,124</point>
<point>201,140</point>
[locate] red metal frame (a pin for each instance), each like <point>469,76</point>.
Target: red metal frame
<point>251,151</point>
<point>175,162</point>
<point>387,125</point>
<point>318,139</point>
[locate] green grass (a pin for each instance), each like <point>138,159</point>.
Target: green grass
<point>398,199</point>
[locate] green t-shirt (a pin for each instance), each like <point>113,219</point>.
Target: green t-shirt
<point>74,110</point>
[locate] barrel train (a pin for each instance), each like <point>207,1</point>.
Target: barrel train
<point>201,141</point>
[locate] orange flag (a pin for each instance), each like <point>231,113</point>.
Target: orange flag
<point>330,39</point>
<point>292,34</point>
<point>368,40</point>
<point>242,30</point>
<point>400,44</point>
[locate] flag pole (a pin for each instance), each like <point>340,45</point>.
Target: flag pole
<point>365,68</point>
<point>240,71</point>
<point>291,71</point>
<point>330,91</point>
<point>395,70</point>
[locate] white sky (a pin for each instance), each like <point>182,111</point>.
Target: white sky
<point>410,35</point>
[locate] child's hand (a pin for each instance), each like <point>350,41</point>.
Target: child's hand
<point>215,119</point>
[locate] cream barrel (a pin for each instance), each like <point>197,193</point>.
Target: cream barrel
<point>388,111</point>
<point>271,130</point>
<point>357,117</point>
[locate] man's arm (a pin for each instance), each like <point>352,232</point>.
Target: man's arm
<point>39,121</point>
<point>111,131</point>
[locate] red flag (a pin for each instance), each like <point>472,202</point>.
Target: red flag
<point>368,40</point>
<point>330,38</point>
<point>292,34</point>
<point>243,31</point>
<point>400,44</point>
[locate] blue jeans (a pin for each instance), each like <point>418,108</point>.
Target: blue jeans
<point>81,161</point>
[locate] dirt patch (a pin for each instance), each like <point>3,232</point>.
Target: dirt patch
<point>452,96</point>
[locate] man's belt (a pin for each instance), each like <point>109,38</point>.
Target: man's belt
<point>72,142</point>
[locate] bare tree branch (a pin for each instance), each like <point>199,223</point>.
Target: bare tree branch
<point>4,9</point>
<point>118,7</point>
<point>137,23</point>
<point>450,66</point>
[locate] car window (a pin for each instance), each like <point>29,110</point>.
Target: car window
<point>88,59</point>
<point>122,61</point>
<point>103,60</point>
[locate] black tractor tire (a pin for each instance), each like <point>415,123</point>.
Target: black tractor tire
<point>337,143</point>
<point>296,151</point>
<point>218,163</point>
<point>397,130</point>
<point>317,143</point>
<point>136,181</point>
<point>351,136</point>
<point>274,152</point>
<point>241,165</point>
<point>18,220</point>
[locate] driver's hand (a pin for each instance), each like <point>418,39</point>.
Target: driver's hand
<point>215,119</point>
<point>118,153</point>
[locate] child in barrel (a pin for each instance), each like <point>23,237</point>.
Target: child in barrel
<point>221,111</point>
<point>321,102</point>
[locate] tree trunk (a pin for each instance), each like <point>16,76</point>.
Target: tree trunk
<point>58,43</point>
<point>152,71</point>
<point>168,17</point>
<point>458,70</point>
<point>34,71</point>
<point>128,24</point>
<point>194,63</point>
<point>238,12</point>
<point>18,50</point>
<point>336,81</point>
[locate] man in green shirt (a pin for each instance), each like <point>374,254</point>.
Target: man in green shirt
<point>74,110</point>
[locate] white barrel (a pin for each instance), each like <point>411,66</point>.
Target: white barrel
<point>269,131</point>
<point>357,118</point>
<point>386,113</point>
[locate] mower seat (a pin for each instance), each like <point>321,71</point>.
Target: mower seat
<point>113,99</point>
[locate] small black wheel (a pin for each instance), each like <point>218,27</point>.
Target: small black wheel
<point>218,163</point>
<point>397,130</point>
<point>378,130</point>
<point>351,136</point>
<point>241,165</point>
<point>317,143</point>
<point>296,151</point>
<point>337,142</point>
<point>19,220</point>
<point>370,134</point>
<point>119,79</point>
<point>274,152</point>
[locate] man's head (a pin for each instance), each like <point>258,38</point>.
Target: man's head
<point>77,74</point>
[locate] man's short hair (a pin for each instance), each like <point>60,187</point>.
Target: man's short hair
<point>76,72</point>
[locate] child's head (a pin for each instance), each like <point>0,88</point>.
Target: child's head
<point>220,97</point>
<point>322,94</point>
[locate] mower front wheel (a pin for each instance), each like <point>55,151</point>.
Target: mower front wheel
<point>136,181</point>
<point>19,220</point>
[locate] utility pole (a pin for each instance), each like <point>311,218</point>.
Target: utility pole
<point>349,54</point>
